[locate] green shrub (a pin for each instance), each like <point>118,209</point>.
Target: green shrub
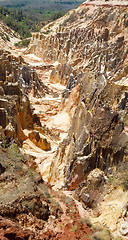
<point>4,142</point>
<point>23,43</point>
<point>73,17</point>
<point>7,37</point>
<point>74,228</point>
<point>86,221</point>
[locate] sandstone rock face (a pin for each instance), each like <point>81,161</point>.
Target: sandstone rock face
<point>60,74</point>
<point>7,37</point>
<point>111,211</point>
<point>41,142</point>
<point>10,230</point>
<point>94,46</point>
<point>70,84</point>
<point>90,45</point>
<point>94,186</point>
<point>16,80</point>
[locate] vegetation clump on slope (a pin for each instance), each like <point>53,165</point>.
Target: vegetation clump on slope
<point>16,20</point>
<point>24,17</point>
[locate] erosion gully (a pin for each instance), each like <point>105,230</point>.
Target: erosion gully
<point>48,108</point>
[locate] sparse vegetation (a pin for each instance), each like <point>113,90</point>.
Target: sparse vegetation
<point>73,17</point>
<point>104,234</point>
<point>120,178</point>
<point>67,200</point>
<point>6,37</point>
<point>16,20</point>
<point>4,141</point>
<point>75,227</point>
<point>86,221</point>
<point>23,43</point>
<point>14,152</point>
<point>84,11</point>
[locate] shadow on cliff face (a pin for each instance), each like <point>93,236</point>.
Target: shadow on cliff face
<point>103,146</point>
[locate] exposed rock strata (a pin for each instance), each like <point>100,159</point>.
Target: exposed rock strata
<point>7,37</point>
<point>95,47</point>
<point>91,43</point>
<point>17,79</point>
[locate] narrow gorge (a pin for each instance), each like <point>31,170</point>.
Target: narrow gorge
<point>64,128</point>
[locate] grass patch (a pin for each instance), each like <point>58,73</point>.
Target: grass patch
<point>14,153</point>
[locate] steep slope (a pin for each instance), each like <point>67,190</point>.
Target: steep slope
<point>77,131</point>
<point>91,43</point>
<point>29,208</point>
<point>7,37</point>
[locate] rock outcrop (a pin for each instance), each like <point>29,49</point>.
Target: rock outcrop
<point>95,47</point>
<point>70,85</point>
<point>90,48</point>
<point>90,43</point>
<point>40,142</point>
<point>7,37</point>
<point>17,79</point>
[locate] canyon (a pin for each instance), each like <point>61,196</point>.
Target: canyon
<point>64,127</point>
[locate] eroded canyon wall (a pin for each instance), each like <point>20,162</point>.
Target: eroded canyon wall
<point>16,114</point>
<point>92,41</point>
